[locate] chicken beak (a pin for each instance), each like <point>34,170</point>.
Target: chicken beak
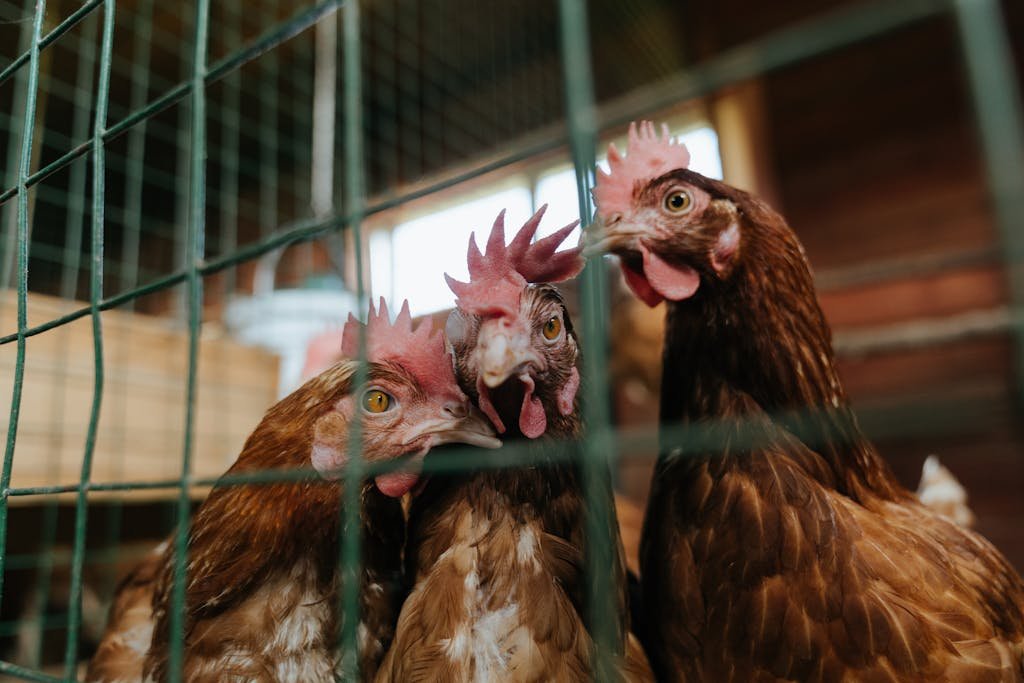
<point>609,236</point>
<point>462,423</point>
<point>592,236</point>
<point>503,351</point>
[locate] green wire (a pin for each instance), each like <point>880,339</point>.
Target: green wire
<point>597,445</point>
<point>9,215</point>
<point>351,530</point>
<point>997,105</point>
<point>71,261</point>
<point>22,191</point>
<point>95,294</point>
<point>194,253</point>
<point>996,99</point>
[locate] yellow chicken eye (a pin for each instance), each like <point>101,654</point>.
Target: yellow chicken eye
<point>678,201</point>
<point>376,401</point>
<point>552,327</point>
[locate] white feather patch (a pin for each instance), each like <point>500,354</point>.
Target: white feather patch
<point>526,549</point>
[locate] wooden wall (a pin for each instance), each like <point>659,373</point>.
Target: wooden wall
<point>873,157</point>
<point>879,171</point>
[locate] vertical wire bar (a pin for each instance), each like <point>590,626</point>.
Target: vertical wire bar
<point>269,150</point>
<point>71,262</point>
<point>9,215</point>
<point>182,183</point>
<point>301,79</point>
<point>354,205</point>
<point>95,295</point>
<point>230,130</point>
<point>131,222</point>
<point>325,75</point>
<point>323,113</point>
<point>194,282</point>
<point>997,106</point>
<point>135,163</point>
<point>597,443</point>
<point>22,268</point>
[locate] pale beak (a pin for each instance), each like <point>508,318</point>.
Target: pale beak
<point>504,351</point>
<point>462,424</point>
<point>602,237</point>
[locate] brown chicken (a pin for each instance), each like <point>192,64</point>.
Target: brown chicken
<point>498,555</point>
<point>787,551</point>
<point>262,580</point>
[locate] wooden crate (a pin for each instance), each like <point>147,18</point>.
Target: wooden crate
<point>142,418</point>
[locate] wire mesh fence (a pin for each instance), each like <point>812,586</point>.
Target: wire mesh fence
<point>164,162</point>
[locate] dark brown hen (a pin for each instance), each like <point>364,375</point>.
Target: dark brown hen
<point>498,555</point>
<point>261,578</point>
<point>789,551</point>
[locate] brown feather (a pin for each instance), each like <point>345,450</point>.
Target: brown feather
<point>261,585</point>
<point>498,556</point>
<point>791,552</point>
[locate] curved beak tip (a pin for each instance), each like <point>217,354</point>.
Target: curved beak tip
<point>494,379</point>
<point>490,442</point>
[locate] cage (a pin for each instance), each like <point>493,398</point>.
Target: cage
<point>176,174</point>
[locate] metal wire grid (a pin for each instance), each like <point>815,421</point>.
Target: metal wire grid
<point>996,101</point>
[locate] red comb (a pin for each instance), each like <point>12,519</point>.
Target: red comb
<point>497,279</point>
<point>421,352</point>
<point>648,156</point>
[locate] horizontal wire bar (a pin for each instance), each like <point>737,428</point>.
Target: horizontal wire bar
<point>46,171</point>
<point>282,32</point>
<point>303,230</point>
<point>27,674</point>
<point>737,64</point>
<point>633,443</point>
<point>279,34</point>
<point>792,45</point>
<point>59,557</point>
<point>772,52</point>
<point>61,28</point>
<point>49,621</point>
<point>165,101</point>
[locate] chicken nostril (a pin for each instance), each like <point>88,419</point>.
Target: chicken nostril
<point>456,409</point>
<point>613,219</point>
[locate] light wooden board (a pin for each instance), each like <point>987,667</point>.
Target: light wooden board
<point>142,418</point>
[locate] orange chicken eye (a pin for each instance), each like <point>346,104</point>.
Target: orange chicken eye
<point>678,201</point>
<point>552,328</point>
<point>376,401</point>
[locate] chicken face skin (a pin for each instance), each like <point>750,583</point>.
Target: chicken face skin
<point>399,419</point>
<point>520,368</point>
<point>679,232</point>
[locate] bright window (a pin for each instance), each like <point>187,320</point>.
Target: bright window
<point>406,262</point>
<point>423,248</point>
<point>558,190</point>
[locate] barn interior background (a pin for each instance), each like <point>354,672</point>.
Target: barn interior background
<point>221,233</point>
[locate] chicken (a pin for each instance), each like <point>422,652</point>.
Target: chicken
<point>123,647</point>
<point>498,555</point>
<point>262,581</point>
<point>786,551</point>
<point>940,491</point>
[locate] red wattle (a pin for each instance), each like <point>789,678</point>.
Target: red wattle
<point>672,282</point>
<point>643,290</point>
<point>396,484</point>
<point>532,420</point>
